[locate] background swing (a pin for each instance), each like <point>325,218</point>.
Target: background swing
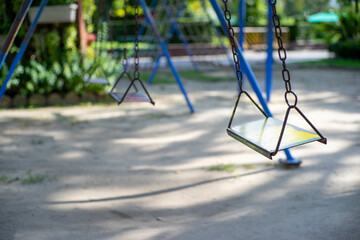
<point>132,92</point>
<point>270,135</point>
<point>101,38</point>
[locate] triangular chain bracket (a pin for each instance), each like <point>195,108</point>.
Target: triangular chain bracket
<point>132,93</point>
<point>270,135</point>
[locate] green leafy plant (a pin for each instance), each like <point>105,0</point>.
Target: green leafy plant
<point>349,48</point>
<point>89,9</point>
<point>344,38</point>
<point>37,178</point>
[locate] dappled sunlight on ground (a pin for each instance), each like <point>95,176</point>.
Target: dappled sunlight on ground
<point>143,172</point>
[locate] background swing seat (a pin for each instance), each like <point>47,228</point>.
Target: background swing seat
<point>263,135</point>
<point>96,81</point>
<point>130,97</point>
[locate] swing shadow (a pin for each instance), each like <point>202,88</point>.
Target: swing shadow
<point>174,189</point>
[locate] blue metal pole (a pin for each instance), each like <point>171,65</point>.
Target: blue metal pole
<point>156,67</point>
<point>14,30</point>
<point>22,49</point>
<point>165,52</point>
<point>170,34</point>
<point>245,66</point>
<point>242,22</point>
<point>249,73</point>
<point>269,60</point>
<point>143,26</point>
<point>218,35</point>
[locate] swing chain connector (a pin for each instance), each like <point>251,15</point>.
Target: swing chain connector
<point>231,33</point>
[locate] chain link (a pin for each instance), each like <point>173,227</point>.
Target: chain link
<point>136,48</point>
<point>282,55</point>
<point>234,50</point>
<point>125,61</point>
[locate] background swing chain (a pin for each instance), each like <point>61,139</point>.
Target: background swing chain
<point>125,61</point>
<point>231,33</point>
<point>282,54</point>
<point>136,48</point>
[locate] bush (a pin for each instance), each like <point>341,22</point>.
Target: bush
<point>344,38</point>
<point>346,49</point>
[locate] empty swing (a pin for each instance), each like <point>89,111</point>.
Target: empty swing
<point>269,135</point>
<point>132,92</point>
<point>102,34</point>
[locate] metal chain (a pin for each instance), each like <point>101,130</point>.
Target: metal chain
<point>125,61</point>
<point>136,48</point>
<point>282,54</point>
<point>231,33</point>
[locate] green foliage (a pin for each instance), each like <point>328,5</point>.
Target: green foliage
<point>37,178</point>
<point>8,11</point>
<point>89,9</point>
<point>53,49</point>
<point>301,8</point>
<point>29,178</point>
<point>32,179</point>
<point>336,62</point>
<point>256,13</point>
<point>344,38</point>
<point>344,3</point>
<point>349,48</point>
<point>349,25</point>
<point>4,178</point>
<point>52,63</point>
<point>8,179</point>
<point>70,38</point>
<point>54,2</point>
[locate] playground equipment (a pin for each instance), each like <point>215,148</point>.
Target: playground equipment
<point>11,36</point>
<point>260,135</point>
<point>132,93</point>
<point>199,36</point>
<point>267,128</point>
<point>101,39</point>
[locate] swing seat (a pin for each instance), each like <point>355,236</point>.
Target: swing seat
<point>97,81</point>
<point>130,97</point>
<point>262,135</point>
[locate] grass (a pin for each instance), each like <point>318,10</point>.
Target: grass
<point>160,78</point>
<point>333,62</point>
<point>7,179</point>
<point>29,178</point>
<point>37,142</point>
<point>168,78</point>
<point>249,166</point>
<point>223,168</point>
<point>204,77</point>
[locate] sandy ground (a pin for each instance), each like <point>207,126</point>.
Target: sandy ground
<point>140,172</point>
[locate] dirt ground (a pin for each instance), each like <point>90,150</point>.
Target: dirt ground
<point>136,171</point>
